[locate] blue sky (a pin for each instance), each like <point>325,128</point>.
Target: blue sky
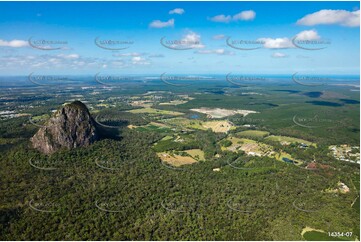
<point>203,26</point>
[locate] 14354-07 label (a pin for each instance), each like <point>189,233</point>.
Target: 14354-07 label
<point>340,234</point>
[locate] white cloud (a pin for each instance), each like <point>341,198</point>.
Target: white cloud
<point>219,36</point>
<point>14,43</point>
<point>216,51</point>
<point>137,60</point>
<point>308,35</point>
<point>160,24</point>
<point>285,43</point>
<point>177,11</point>
<point>221,18</point>
<point>279,55</point>
<point>70,56</point>
<point>245,15</point>
<point>278,43</point>
<point>328,16</point>
<point>190,40</point>
<point>46,61</point>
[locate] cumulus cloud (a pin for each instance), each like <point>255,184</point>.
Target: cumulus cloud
<point>179,11</point>
<point>285,43</point>
<point>14,43</point>
<point>278,43</point>
<point>243,16</point>
<point>221,18</point>
<point>279,55</point>
<point>328,16</point>
<point>216,51</point>
<point>137,60</point>
<point>159,24</point>
<point>190,40</point>
<point>308,35</point>
<point>219,36</point>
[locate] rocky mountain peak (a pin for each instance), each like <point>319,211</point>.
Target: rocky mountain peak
<point>71,126</point>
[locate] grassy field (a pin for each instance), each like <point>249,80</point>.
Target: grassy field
<point>288,139</point>
<point>253,133</point>
<point>221,126</point>
<point>168,137</point>
<point>197,154</point>
<point>152,127</point>
<point>184,123</point>
<point>156,111</point>
<point>248,146</point>
<point>176,160</point>
<point>218,126</point>
<point>174,102</point>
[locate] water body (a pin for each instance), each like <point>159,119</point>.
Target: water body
<point>323,103</point>
<point>287,160</point>
<point>350,101</point>
<point>194,116</point>
<point>313,94</point>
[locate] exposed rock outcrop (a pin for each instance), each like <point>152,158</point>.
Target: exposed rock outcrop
<point>71,126</point>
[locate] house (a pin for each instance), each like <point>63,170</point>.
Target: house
<point>311,166</point>
<point>343,188</point>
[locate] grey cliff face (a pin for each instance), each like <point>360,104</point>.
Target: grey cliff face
<point>70,127</point>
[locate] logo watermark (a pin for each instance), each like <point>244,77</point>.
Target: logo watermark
<point>233,165</point>
<point>44,207</point>
<point>114,80</point>
<point>307,205</point>
<point>242,44</point>
<point>243,80</point>
<point>46,44</point>
<point>47,80</point>
<point>185,203</point>
<point>110,207</point>
<point>242,204</point>
<point>172,80</point>
<point>318,44</point>
<point>105,125</point>
<point>171,167</point>
<point>307,80</point>
<point>311,122</point>
<point>43,164</point>
<point>180,44</point>
<point>112,165</point>
<point>113,44</point>
<point>36,122</point>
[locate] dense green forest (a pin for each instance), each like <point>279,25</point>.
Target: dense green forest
<point>119,189</point>
<point>139,199</point>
